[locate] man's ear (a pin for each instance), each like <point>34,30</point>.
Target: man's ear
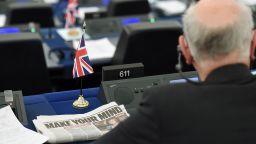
<point>253,45</point>
<point>185,50</point>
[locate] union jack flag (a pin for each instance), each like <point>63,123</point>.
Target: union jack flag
<point>71,13</point>
<point>82,64</point>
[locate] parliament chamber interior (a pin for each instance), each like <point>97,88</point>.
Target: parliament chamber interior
<point>127,47</point>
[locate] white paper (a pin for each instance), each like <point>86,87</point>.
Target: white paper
<point>249,2</point>
<point>2,20</point>
<point>83,10</point>
<point>152,1</point>
<point>101,50</point>
<point>13,132</point>
<point>171,7</point>
<point>183,80</point>
<point>67,37</point>
<point>51,1</point>
<point>253,72</point>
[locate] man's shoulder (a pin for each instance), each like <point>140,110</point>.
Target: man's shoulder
<point>165,98</point>
<point>181,91</point>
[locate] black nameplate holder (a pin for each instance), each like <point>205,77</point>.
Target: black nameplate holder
<point>124,71</point>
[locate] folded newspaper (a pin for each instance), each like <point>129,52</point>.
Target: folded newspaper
<point>81,127</point>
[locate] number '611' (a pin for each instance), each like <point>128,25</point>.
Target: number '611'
<point>125,73</point>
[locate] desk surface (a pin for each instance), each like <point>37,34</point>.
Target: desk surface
<point>56,44</point>
<point>58,103</point>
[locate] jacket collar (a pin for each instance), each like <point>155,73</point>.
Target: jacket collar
<point>230,74</point>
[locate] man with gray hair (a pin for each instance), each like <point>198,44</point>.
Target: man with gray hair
<point>217,33</point>
<point>219,42</point>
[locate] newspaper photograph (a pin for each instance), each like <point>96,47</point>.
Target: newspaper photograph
<point>108,124</point>
<point>80,127</point>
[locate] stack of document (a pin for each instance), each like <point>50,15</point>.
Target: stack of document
<point>13,132</point>
<point>2,20</point>
<point>51,1</point>
<point>83,10</point>
<point>171,7</point>
<point>250,2</point>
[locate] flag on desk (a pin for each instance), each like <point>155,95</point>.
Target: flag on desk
<point>71,13</point>
<point>82,64</point>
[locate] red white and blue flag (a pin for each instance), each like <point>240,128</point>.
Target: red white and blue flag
<point>82,64</point>
<point>71,13</point>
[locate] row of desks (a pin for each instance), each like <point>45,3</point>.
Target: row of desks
<point>59,53</point>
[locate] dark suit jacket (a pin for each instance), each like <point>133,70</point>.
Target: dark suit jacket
<point>221,110</point>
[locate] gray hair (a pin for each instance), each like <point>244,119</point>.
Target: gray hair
<point>212,43</point>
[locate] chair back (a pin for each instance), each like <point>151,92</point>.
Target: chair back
<point>23,64</point>
<point>23,13</point>
<point>153,44</point>
<point>128,7</point>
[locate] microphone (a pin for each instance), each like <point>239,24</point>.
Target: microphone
<point>179,67</point>
<point>32,27</point>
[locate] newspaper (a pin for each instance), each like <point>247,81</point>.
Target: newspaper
<point>81,127</point>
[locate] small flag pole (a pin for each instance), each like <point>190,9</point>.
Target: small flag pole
<point>81,88</point>
<point>81,102</point>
